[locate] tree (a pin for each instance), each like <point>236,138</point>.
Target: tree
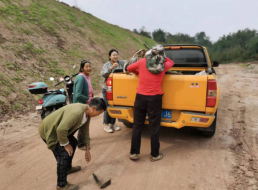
<point>159,35</point>
<point>239,46</point>
<point>202,39</point>
<point>143,32</point>
<point>179,38</point>
<point>135,31</point>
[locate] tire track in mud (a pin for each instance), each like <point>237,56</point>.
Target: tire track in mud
<point>237,92</point>
<point>245,172</point>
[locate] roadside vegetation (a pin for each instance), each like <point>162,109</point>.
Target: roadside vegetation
<point>235,47</point>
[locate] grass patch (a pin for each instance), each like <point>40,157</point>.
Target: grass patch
<point>73,53</point>
<point>17,79</point>
<point>12,66</point>
<point>16,106</point>
<point>25,31</point>
<point>247,66</point>
<point>54,68</point>
<point>5,92</point>
<point>29,47</point>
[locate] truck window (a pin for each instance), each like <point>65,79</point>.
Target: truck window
<point>187,57</point>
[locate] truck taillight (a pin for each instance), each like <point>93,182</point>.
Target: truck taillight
<point>109,91</point>
<point>211,93</point>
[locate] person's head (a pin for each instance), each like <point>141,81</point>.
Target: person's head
<point>155,59</point>
<point>141,54</point>
<point>96,107</point>
<point>85,67</point>
<point>113,55</point>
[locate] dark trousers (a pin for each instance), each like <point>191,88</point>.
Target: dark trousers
<point>64,161</point>
<point>106,118</point>
<point>153,106</point>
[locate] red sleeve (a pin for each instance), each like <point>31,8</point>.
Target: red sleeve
<point>134,68</point>
<point>168,64</point>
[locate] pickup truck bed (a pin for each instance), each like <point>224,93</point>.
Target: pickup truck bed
<point>189,100</point>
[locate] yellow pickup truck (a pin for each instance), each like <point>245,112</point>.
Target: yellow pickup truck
<point>191,93</point>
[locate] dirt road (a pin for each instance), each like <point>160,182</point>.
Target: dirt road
<point>226,161</point>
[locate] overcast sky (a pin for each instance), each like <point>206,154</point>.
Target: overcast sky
<point>214,17</point>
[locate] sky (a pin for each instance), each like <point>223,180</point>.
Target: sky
<point>215,17</point>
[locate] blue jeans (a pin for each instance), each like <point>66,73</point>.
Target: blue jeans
<point>106,117</point>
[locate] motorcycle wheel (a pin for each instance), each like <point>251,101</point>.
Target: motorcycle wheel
<point>45,114</point>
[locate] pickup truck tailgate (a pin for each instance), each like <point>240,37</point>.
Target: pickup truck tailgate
<point>181,92</point>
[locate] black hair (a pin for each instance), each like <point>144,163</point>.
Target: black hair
<point>83,64</point>
<point>110,52</point>
<point>99,103</point>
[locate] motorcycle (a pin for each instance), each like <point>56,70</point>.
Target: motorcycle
<point>53,99</point>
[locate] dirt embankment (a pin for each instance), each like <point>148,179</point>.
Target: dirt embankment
<point>43,39</point>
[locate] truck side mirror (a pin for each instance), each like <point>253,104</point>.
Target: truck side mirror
<point>215,64</point>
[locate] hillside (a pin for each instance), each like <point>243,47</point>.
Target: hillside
<point>42,39</point>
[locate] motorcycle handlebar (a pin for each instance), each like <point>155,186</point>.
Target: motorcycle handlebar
<point>59,83</point>
<point>75,74</point>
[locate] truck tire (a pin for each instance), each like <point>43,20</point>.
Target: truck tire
<point>211,129</point>
<point>128,124</point>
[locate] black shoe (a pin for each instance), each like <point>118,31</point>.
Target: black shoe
<point>74,169</point>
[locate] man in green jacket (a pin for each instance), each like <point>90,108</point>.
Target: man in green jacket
<point>57,132</point>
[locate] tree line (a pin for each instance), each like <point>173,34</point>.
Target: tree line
<point>234,47</point>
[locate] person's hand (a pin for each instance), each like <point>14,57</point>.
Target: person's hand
<point>87,155</point>
<point>114,65</point>
<point>69,149</point>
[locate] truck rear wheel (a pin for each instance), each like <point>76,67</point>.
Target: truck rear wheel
<point>128,124</point>
<point>210,131</point>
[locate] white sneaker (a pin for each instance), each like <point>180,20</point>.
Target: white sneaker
<point>134,156</point>
<point>108,129</point>
<point>115,127</point>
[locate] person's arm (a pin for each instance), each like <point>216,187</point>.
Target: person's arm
<point>134,68</point>
<point>169,63</point>
<point>106,69</point>
<point>79,85</point>
<point>85,130</point>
